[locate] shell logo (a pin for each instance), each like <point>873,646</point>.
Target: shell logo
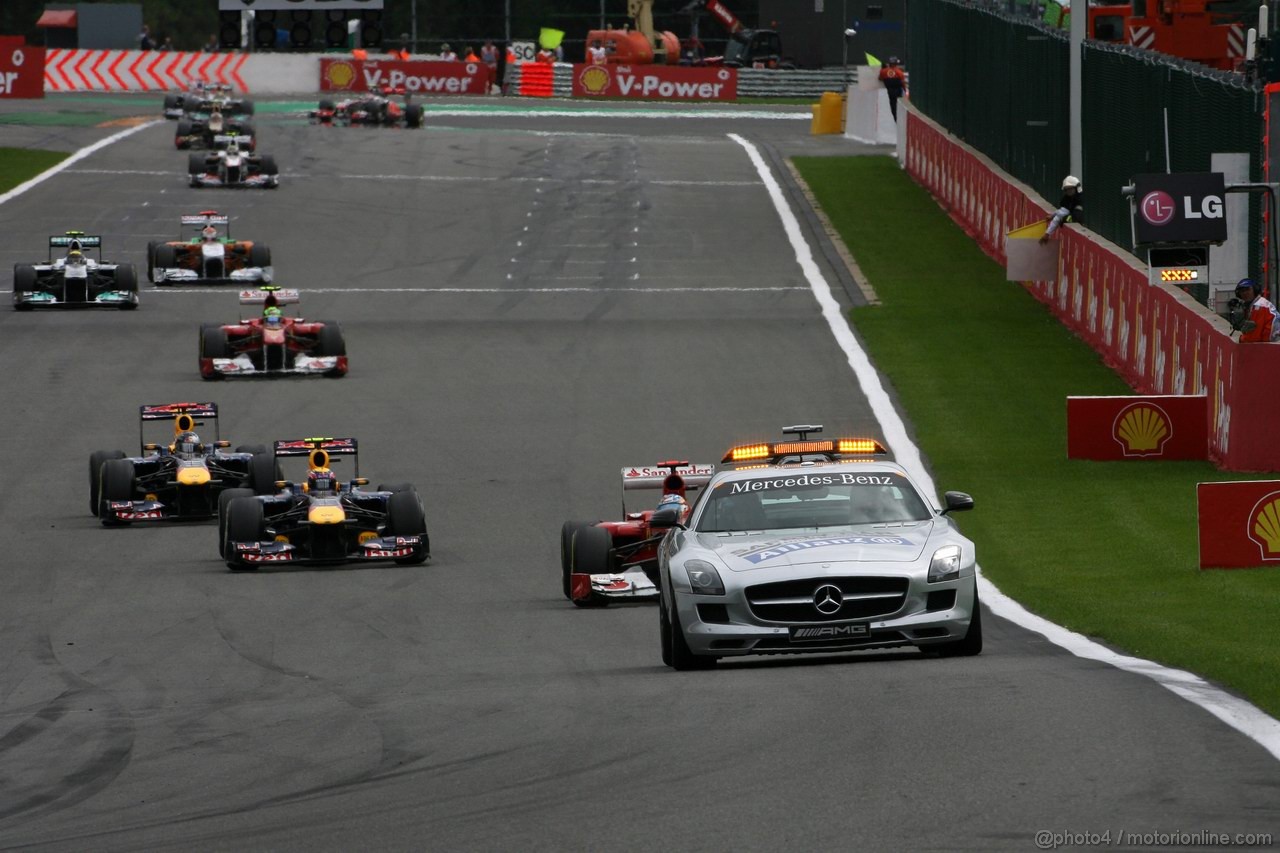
<point>595,80</point>
<point>1142,429</point>
<point>340,74</point>
<point>1264,526</point>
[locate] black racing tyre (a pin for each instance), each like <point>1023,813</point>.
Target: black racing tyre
<point>247,129</point>
<point>396,487</point>
<point>413,115</point>
<point>264,471</point>
<point>251,448</point>
<point>151,259</point>
<point>127,280</point>
<point>664,633</point>
<point>682,658</point>
<point>95,474</point>
<point>566,553</point>
<point>245,523</point>
<point>180,135</point>
<point>331,341</point>
<point>24,280</point>
<point>196,165</point>
<point>590,553</point>
<point>405,517</point>
<point>327,105</point>
<point>116,484</point>
<point>259,255</point>
<point>246,107</point>
<point>166,257</point>
<point>972,642</point>
<point>269,166</point>
<point>224,500</point>
<point>213,342</point>
<point>172,102</point>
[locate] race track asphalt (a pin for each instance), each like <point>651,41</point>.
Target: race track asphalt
<point>529,306</point>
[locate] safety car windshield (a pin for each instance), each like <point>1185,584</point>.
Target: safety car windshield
<point>789,500</point>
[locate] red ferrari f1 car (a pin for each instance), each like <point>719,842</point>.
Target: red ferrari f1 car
<point>606,561</point>
<point>272,344</point>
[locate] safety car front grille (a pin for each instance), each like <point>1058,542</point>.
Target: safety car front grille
<point>794,601</point>
<point>771,645</point>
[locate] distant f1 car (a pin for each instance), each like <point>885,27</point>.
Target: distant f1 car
<point>214,130</point>
<point>322,519</point>
<point>178,481</point>
<point>75,280</point>
<point>206,255</point>
<point>606,561</point>
<point>374,109</point>
<point>232,167</point>
<point>272,344</point>
<point>206,97</point>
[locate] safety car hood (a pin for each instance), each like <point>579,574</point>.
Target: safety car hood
<point>896,543</point>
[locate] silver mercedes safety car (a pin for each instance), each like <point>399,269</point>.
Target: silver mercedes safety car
<point>814,547</point>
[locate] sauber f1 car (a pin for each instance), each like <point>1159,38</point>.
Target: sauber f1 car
<point>202,97</point>
<point>814,547</point>
<point>323,519</point>
<point>76,280</point>
<point>606,561</point>
<point>272,344</point>
<point>374,109</point>
<point>214,130</point>
<point>232,167</point>
<point>207,255</point>
<point>180,480</point>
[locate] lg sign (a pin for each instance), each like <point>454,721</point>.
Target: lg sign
<point>1181,208</point>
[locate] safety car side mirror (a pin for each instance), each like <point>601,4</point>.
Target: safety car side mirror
<point>957,502</point>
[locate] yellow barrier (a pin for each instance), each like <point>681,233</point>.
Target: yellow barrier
<point>828,114</point>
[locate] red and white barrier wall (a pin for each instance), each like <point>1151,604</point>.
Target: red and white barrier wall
<point>138,70</point>
<point>1158,338</point>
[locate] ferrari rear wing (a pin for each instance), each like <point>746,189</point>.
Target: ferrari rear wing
<point>652,476</point>
<point>261,297</point>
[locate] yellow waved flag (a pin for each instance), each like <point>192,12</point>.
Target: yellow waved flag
<point>550,39</point>
<point>873,62</point>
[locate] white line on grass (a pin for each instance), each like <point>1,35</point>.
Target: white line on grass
<point>74,158</point>
<point>1242,716</point>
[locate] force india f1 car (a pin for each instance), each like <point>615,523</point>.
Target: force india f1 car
<point>76,280</point>
<point>374,109</point>
<point>213,131</point>
<point>606,561</point>
<point>205,255</point>
<point>818,549</point>
<point>323,519</point>
<point>272,344</point>
<point>178,481</point>
<point>232,167</point>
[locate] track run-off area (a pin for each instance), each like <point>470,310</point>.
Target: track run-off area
<point>531,302</point>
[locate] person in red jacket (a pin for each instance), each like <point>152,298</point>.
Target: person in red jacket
<point>1254,315</point>
<point>895,83</point>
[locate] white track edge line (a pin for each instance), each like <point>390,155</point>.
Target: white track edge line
<point>75,157</point>
<point>1237,713</point>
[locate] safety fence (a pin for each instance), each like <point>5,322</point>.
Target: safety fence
<point>1000,83</point>
<point>752,82</point>
<point>1157,337</point>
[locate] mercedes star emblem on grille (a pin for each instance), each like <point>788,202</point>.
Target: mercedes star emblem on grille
<point>828,599</point>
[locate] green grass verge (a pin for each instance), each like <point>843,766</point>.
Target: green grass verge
<point>20,164</point>
<point>983,370</point>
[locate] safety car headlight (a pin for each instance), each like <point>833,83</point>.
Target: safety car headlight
<point>703,578</point>
<point>945,565</point>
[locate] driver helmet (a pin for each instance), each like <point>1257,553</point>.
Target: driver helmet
<point>215,122</point>
<point>75,257</point>
<point>233,147</point>
<point>273,317</point>
<point>187,445</point>
<point>674,500</point>
<point>321,481</point>
<point>209,233</point>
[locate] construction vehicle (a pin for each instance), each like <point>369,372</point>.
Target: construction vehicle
<point>1182,28</point>
<point>644,46</point>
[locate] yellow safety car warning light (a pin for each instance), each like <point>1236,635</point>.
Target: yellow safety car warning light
<point>747,451</point>
<point>860,445</point>
<point>784,448</point>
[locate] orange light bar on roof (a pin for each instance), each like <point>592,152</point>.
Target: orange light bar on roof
<point>783,448</point>
<point>860,445</point>
<point>747,451</point>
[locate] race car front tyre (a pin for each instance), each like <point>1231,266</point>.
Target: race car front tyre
<point>245,523</point>
<point>127,280</point>
<point>24,280</point>
<point>224,500</point>
<point>95,474</point>
<point>566,552</point>
<point>172,102</point>
<point>590,554</point>
<point>151,260</point>
<point>264,471</point>
<point>196,164</point>
<point>327,105</point>
<point>180,140</point>
<point>166,257</point>
<point>331,341</point>
<point>269,166</point>
<point>972,642</point>
<point>213,342</point>
<point>246,107</point>
<point>413,115</point>
<point>116,484</point>
<point>682,658</point>
<point>259,255</point>
<point>406,518</point>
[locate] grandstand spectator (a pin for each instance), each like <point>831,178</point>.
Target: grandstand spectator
<point>144,39</point>
<point>596,54</point>
<point>211,46</point>
<point>895,83</point>
<point>447,54</point>
<point>1254,315</point>
<point>469,55</point>
<point>167,44</point>
<point>489,56</point>
<point>401,52</point>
